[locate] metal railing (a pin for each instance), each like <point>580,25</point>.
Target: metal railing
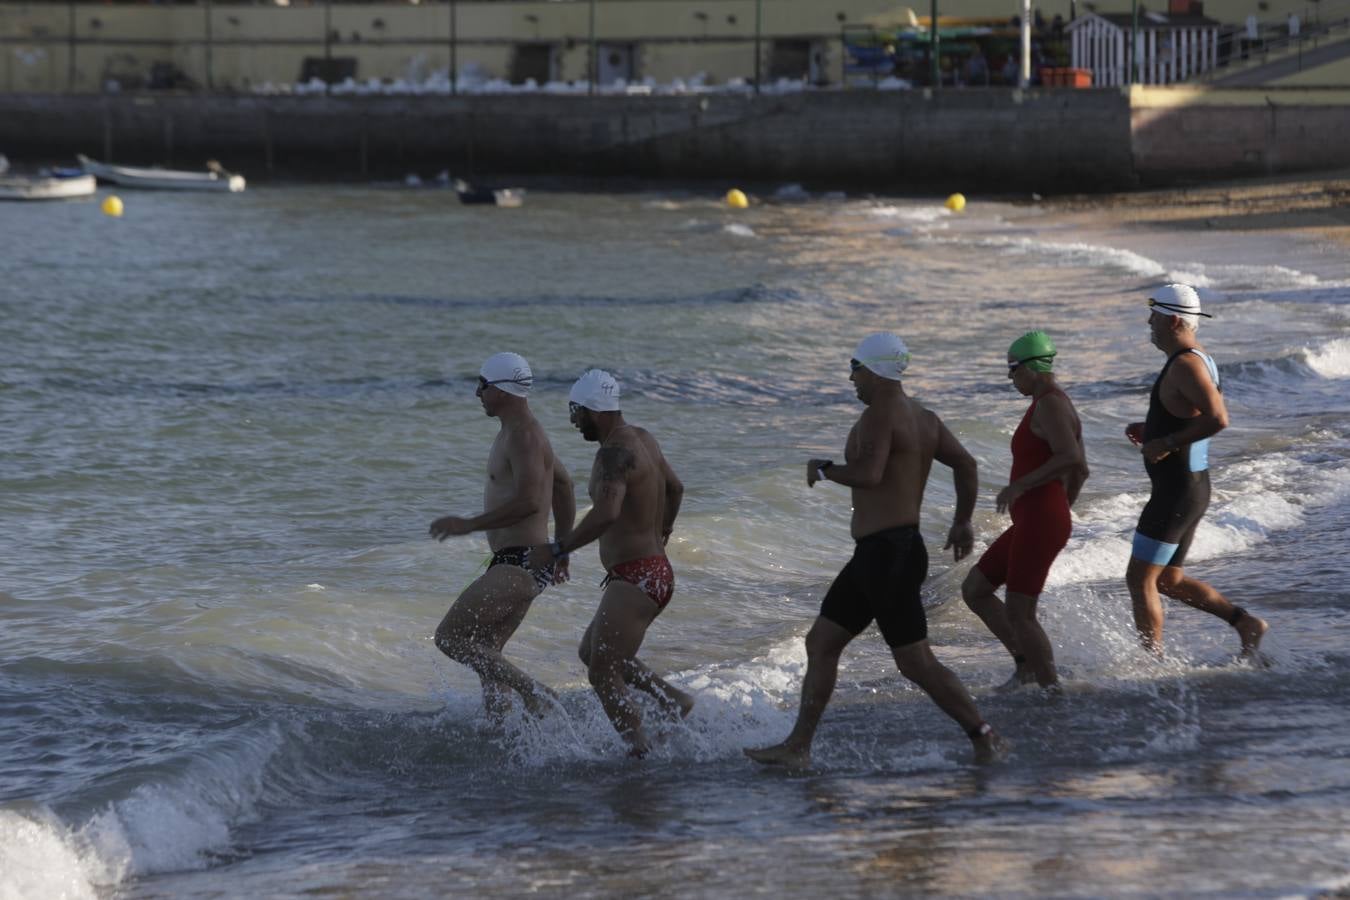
<point>1277,41</point>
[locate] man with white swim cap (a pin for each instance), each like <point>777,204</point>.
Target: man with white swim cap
<point>524,480</point>
<point>886,463</point>
<point>1185,409</point>
<point>636,497</point>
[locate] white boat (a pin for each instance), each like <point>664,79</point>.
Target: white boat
<point>45,187</point>
<point>214,179</point>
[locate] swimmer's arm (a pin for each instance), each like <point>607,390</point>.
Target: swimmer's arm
<point>674,495</point>
<point>1194,384</point>
<point>564,501</point>
<point>966,477</point>
<point>1190,378</point>
<point>1054,419</point>
<point>609,476</point>
<point>868,465</point>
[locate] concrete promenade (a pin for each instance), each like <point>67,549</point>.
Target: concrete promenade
<point>991,140</point>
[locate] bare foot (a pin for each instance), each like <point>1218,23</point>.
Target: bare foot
<point>780,755</point>
<point>1251,629</point>
<point>539,701</point>
<point>675,702</point>
<point>1020,678</point>
<point>638,752</point>
<point>989,747</point>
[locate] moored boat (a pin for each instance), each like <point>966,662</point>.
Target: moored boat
<point>45,187</point>
<point>470,195</point>
<point>214,179</point>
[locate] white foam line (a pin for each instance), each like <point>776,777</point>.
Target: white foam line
<point>1075,253</point>
<point>1331,360</point>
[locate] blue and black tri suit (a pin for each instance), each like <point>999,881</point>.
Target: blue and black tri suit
<point>1180,482</point>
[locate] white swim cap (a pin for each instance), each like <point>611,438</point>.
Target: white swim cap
<point>508,372</point>
<point>1178,300</point>
<point>884,354</point>
<point>597,391</point>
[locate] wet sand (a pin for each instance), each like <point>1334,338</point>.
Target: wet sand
<point>1317,202</point>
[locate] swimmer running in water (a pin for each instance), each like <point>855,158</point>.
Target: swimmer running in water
<point>523,481</point>
<point>1049,467</point>
<point>636,497</point>
<point>1185,409</point>
<point>889,453</point>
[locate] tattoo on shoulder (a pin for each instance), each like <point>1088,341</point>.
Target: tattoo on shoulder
<point>614,463</point>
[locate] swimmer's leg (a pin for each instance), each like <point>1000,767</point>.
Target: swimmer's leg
<point>1142,579</point>
<point>615,635</point>
<point>979,594</point>
<point>917,663</point>
<point>825,642</point>
<point>1193,592</point>
<point>479,624</point>
<point>1036,649</point>
<point>673,701</point>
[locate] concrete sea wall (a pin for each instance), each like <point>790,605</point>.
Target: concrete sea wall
<point>991,140</point>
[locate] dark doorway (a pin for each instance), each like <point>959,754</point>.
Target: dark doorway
<point>790,59</point>
<point>532,61</point>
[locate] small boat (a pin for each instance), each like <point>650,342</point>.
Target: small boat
<point>53,186</point>
<point>504,197</point>
<point>215,178</point>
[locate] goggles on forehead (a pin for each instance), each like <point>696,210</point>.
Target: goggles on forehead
<point>854,365</point>
<point>1173,308</point>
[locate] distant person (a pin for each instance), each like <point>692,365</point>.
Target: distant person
<point>1049,467</point>
<point>1185,409</point>
<point>887,459</point>
<point>636,497</point>
<point>523,481</point>
<point>976,69</point>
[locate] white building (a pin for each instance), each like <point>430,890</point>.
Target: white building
<point>1168,48</point>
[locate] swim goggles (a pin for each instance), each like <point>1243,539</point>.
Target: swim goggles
<point>484,384</point>
<point>1012,366</point>
<point>1181,310</point>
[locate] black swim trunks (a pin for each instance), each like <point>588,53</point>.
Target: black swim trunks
<point>882,582</point>
<point>520,557</point>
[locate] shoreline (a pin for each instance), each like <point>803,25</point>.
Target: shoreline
<point>1315,202</point>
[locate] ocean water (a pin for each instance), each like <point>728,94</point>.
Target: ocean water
<point>228,422</point>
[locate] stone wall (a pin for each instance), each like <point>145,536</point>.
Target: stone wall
<point>989,140</point>
<point>1196,134</point>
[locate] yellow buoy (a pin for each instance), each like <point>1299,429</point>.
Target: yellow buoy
<point>736,199</point>
<point>956,202</point>
<point>112,206</point>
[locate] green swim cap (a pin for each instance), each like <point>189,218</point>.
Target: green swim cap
<point>1035,350</point>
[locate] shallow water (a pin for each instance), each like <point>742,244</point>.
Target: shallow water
<point>230,421</point>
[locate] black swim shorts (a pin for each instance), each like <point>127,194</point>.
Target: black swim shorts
<point>882,582</point>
